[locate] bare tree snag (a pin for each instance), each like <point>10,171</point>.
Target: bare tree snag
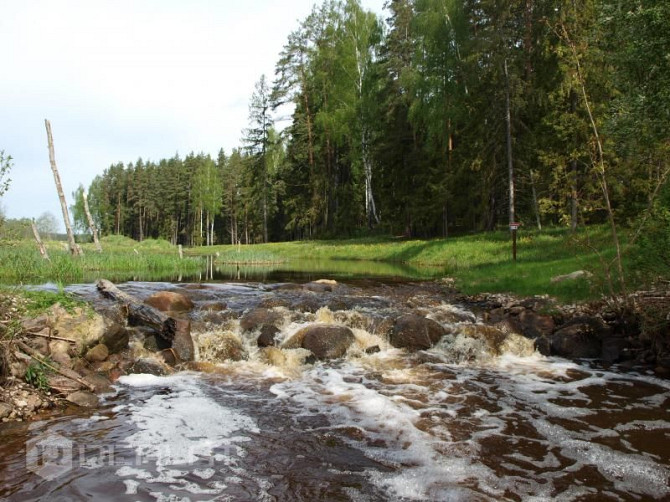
<point>91,223</point>
<point>74,249</point>
<point>40,244</point>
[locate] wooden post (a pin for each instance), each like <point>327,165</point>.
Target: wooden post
<point>181,252</point>
<point>74,249</point>
<point>40,244</point>
<point>91,223</point>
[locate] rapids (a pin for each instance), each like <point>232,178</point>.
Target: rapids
<point>469,419</point>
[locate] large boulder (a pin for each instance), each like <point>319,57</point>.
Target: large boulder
<point>414,332</point>
<point>255,319</point>
<point>267,336</point>
<point>532,325</point>
<point>579,338</point>
<point>325,341</point>
<point>168,301</point>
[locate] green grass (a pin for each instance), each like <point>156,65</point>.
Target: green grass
<point>478,263</point>
<point>121,259</point>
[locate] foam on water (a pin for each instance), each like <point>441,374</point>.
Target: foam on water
<point>435,425</point>
<point>180,425</point>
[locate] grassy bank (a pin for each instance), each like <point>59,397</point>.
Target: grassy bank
<point>478,263</point>
<point>122,259</point>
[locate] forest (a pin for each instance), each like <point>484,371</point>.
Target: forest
<point>448,117</point>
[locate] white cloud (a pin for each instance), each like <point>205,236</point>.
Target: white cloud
<point>128,78</point>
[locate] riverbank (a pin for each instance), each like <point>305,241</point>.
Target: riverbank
<point>59,351</point>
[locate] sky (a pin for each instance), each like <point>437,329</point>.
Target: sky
<point>122,79</point>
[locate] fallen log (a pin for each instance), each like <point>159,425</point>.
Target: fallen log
<point>176,331</point>
<point>139,312</point>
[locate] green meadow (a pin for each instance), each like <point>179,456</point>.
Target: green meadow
<point>475,263</point>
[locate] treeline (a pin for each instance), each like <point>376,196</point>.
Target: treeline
<point>449,116</point>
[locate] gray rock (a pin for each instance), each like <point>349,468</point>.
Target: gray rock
<point>414,332</point>
<point>578,274</point>
<point>84,399</point>
<point>257,318</point>
<point>579,338</point>
<point>5,410</point>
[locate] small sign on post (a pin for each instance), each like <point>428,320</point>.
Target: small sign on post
<point>514,226</point>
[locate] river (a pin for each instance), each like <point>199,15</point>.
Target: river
<point>460,421</point>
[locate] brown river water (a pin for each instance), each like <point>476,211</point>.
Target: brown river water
<point>458,422</point>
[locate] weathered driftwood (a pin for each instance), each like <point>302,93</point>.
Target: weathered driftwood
<point>139,312</point>
<point>91,223</point>
<point>38,239</point>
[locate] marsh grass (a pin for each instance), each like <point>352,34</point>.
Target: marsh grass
<point>121,259</point>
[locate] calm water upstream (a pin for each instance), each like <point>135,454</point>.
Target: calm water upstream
<point>458,422</point>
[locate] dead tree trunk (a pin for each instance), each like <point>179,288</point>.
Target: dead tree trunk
<point>40,244</point>
<point>91,224</point>
<point>139,312</point>
<point>74,249</point>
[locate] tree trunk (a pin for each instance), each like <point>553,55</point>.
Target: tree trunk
<point>40,244</point>
<point>91,224</point>
<point>536,207</point>
<point>74,249</point>
<point>510,165</point>
<point>138,311</point>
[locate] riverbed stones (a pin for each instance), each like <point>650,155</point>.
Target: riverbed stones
<point>579,338</point>
<point>97,354</point>
<point>267,336</point>
<point>150,366</point>
<point>169,301</point>
<point>414,332</point>
<point>83,398</point>
<point>324,341</point>
<point>255,319</point>
<point>116,337</point>
<point>5,410</point>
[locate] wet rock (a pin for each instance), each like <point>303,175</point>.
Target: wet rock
<point>324,341</point>
<point>614,349</point>
<point>97,354</point>
<point>273,301</point>
<point>83,398</point>
<point>214,307</point>
<point>150,366</point>
<point>182,343</point>
<point>168,301</point>
<point>414,332</point>
<point>99,382</point>
<point>306,305</point>
<point>255,319</point>
<point>154,342</point>
<point>5,410</point>
<point>319,287</point>
<point>662,371</point>
<point>373,350</point>
<point>116,337</point>
<point>532,325</point>
<point>579,338</point>
<point>267,336</point>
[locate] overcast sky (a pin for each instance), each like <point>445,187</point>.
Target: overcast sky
<point>120,79</point>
